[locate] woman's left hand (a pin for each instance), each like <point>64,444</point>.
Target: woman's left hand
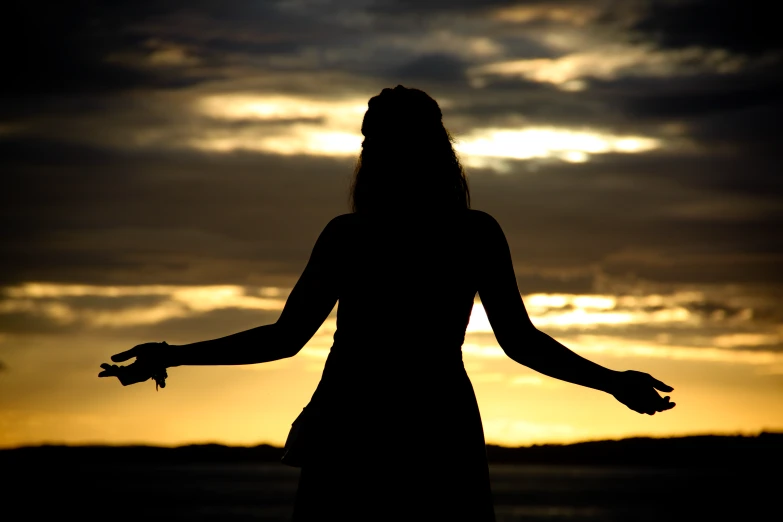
<point>637,391</point>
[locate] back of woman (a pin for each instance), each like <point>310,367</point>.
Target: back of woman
<point>404,282</point>
<point>397,420</point>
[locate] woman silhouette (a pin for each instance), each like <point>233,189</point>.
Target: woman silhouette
<point>393,430</point>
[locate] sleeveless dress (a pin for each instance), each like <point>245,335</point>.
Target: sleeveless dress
<point>395,431</point>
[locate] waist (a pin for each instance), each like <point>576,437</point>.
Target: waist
<point>351,378</point>
<point>370,339</point>
<point>396,355</point>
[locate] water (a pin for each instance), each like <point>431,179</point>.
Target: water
<point>265,492</point>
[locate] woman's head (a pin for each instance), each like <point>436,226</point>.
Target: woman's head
<point>407,158</point>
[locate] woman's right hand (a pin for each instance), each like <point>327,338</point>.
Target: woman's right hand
<point>150,363</point>
<point>131,374</point>
<point>637,391</point>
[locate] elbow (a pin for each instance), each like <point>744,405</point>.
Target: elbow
<point>287,350</point>
<point>520,345</point>
<point>515,353</point>
<point>290,351</point>
<point>287,342</point>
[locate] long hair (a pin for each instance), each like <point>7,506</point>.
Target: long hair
<point>407,158</point>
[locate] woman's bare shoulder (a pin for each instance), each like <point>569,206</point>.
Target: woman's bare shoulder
<point>482,221</point>
<point>342,220</point>
<point>340,228</point>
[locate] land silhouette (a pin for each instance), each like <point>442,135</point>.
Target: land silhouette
<point>700,451</point>
<point>707,478</point>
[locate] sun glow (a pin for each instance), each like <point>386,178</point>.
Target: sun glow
<point>573,146</point>
<point>295,125</point>
<point>677,336</point>
<point>277,107</point>
<point>279,124</point>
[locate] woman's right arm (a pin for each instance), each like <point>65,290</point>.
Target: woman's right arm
<point>527,345</point>
<point>310,302</point>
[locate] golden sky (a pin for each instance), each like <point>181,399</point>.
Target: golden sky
<point>167,170</point>
<point>725,370</point>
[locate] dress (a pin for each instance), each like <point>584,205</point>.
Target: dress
<point>396,432</point>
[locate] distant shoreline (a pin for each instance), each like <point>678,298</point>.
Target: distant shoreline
<point>700,451</point>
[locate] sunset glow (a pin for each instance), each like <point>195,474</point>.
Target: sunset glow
<point>594,325</point>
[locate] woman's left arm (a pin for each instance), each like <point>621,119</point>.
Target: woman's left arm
<point>309,304</point>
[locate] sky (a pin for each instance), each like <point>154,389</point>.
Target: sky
<point>167,167</point>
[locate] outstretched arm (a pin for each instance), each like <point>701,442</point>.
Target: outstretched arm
<point>527,345</point>
<point>310,302</point>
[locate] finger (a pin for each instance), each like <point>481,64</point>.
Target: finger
<point>124,356</point>
<point>108,371</point>
<point>658,385</point>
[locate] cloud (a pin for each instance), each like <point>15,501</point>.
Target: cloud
<point>542,143</point>
<point>611,62</point>
<point>66,50</point>
<point>691,310</point>
<point>146,230</point>
<point>717,324</point>
<point>712,320</point>
<point>621,347</point>
<point>175,52</point>
<point>252,219</point>
<point>732,25</point>
<point>90,306</point>
<point>202,143</point>
<point>433,67</point>
<point>168,166</point>
<point>108,307</point>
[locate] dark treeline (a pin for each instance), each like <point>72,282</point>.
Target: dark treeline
<point>676,452</point>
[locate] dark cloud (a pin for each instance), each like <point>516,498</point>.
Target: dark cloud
<point>60,49</point>
<point>207,325</point>
<point>692,96</point>
<point>191,327</point>
<point>535,280</point>
<point>466,7</point>
<point>85,206</point>
<point>105,47</point>
<point>433,67</point>
<point>138,218</point>
<point>736,25</point>
<point>510,101</point>
<point>633,217</point>
<point>110,303</point>
<point>722,111</point>
<point>252,219</point>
